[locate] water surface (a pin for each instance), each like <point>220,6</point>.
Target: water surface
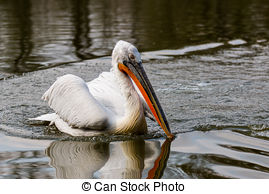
<point>208,63</point>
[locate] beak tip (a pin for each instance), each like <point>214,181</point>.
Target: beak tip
<point>171,136</point>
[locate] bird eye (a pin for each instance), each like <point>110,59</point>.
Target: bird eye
<point>131,56</point>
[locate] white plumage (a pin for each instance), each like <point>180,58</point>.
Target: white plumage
<point>109,103</point>
<point>71,99</point>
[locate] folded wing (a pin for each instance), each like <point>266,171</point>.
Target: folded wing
<point>72,101</point>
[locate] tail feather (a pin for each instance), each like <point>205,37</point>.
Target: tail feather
<point>47,117</point>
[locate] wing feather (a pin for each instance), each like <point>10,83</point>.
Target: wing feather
<point>106,90</point>
<point>71,99</point>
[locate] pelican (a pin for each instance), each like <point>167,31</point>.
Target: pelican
<point>115,102</point>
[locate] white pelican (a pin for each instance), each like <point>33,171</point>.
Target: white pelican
<point>115,102</point>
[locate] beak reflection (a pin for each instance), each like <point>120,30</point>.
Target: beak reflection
<point>126,159</point>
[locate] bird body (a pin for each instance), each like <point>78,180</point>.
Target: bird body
<point>115,102</point>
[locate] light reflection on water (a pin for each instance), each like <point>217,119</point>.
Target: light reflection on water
<point>76,159</point>
<point>40,34</point>
<point>212,154</point>
<point>128,159</point>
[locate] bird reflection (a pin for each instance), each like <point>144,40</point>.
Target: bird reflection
<point>73,159</point>
<point>126,159</point>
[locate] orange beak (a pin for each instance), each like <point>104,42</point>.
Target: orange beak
<point>138,75</point>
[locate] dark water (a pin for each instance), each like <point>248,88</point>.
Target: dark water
<point>208,61</point>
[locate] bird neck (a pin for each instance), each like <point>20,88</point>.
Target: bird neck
<point>133,119</point>
<point>132,100</point>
